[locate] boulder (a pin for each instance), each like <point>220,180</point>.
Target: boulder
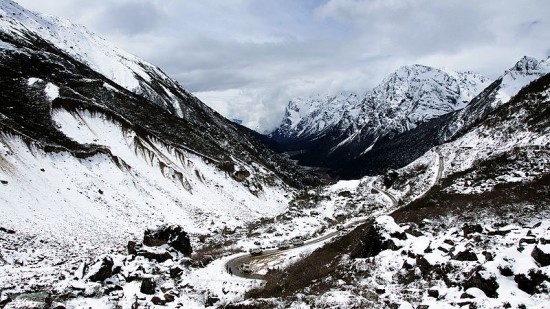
<point>158,301</point>
<point>541,254</point>
<point>433,293</point>
<point>211,300</point>
<point>175,272</point>
<point>101,270</point>
<point>148,286</point>
<point>132,247</point>
<point>488,284</point>
<point>466,255</point>
<point>530,283</point>
<point>169,297</point>
<point>240,176</point>
<point>173,235</point>
<point>468,229</point>
<point>159,255</point>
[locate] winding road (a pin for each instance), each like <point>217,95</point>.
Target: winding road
<point>235,263</point>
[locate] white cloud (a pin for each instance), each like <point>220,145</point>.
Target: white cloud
<point>247,58</point>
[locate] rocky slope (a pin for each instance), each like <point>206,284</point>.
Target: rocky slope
<point>477,238</point>
<point>97,145</point>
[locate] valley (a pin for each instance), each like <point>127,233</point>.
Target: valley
<point>121,189</point>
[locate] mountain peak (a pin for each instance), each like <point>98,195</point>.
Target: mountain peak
<point>529,65</point>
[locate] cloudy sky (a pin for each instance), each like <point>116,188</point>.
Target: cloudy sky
<point>247,58</point>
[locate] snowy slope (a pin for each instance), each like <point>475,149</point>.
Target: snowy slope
<point>123,68</point>
<point>498,93</point>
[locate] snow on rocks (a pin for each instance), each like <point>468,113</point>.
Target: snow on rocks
<point>453,268</point>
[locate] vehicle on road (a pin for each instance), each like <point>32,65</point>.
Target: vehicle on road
<point>256,251</point>
<point>284,245</point>
<point>297,242</point>
<point>245,268</point>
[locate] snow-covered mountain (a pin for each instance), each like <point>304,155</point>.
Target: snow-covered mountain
<point>123,68</point>
<point>471,230</point>
<point>341,128</point>
<point>97,145</point>
<point>306,118</point>
<point>498,93</point>
<point>406,147</point>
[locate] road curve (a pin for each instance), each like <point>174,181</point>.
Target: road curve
<point>235,263</point>
<point>233,266</point>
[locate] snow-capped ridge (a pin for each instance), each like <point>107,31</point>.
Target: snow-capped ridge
<point>125,69</point>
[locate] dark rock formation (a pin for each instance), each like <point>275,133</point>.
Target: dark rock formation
<point>148,286</point>
<point>540,256</point>
<point>488,285</point>
<point>173,235</point>
<point>104,271</point>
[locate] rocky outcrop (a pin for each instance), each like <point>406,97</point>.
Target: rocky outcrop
<point>541,254</point>
<point>488,284</point>
<point>101,270</point>
<point>172,235</point>
<point>148,286</point>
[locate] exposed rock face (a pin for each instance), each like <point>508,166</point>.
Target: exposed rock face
<point>384,234</point>
<point>101,270</point>
<point>148,286</point>
<point>487,284</point>
<point>530,283</point>
<point>466,255</point>
<point>173,235</point>
<point>541,254</point>
<point>159,255</point>
<point>470,229</point>
<point>132,247</point>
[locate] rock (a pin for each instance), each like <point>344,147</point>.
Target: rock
<point>484,282</point>
<point>449,242</point>
<point>433,293</point>
<point>58,306</point>
<point>380,290</point>
<point>148,286</point>
<point>211,300</point>
<point>173,235</point>
<point>467,255</point>
<point>5,230</point>
<point>530,284</point>
<point>154,254</point>
<point>175,272</point>
<point>488,255</point>
<point>541,255</point>
<point>505,271</point>
<point>414,230</point>
<point>423,264</point>
<point>101,270</point>
<point>158,301</point>
<point>399,235</point>
<point>407,266</point>
<point>527,240</point>
<point>466,295</point>
<point>169,297</point>
<point>132,247</point>
<point>468,229</point>
<point>499,232</point>
<point>4,182</point>
<point>240,176</point>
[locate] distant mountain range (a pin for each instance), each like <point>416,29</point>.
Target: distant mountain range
<point>415,107</point>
